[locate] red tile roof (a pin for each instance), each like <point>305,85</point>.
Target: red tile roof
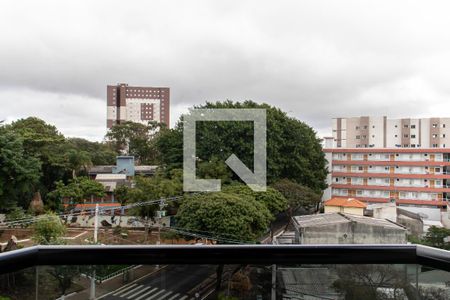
<point>345,202</point>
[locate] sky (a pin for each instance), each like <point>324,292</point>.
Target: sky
<point>316,59</point>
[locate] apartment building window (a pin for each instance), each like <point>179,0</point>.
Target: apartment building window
<point>373,126</point>
<point>413,126</point>
<point>413,136</point>
<point>357,127</point>
<point>405,145</point>
<point>405,135</point>
<point>443,135</point>
<point>365,126</point>
<point>435,145</point>
<point>395,126</point>
<point>443,125</point>
<point>435,125</point>
<point>435,136</point>
<point>395,135</point>
<point>359,193</point>
<point>358,137</point>
<point>386,168</point>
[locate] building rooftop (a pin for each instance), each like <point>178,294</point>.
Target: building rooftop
<point>345,202</point>
<point>338,218</point>
<point>101,177</point>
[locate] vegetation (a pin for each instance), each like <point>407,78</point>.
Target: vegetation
<point>297,195</point>
<point>135,139</point>
<point>293,149</point>
<point>49,230</point>
<point>224,216</point>
<point>34,156</point>
<point>437,237</point>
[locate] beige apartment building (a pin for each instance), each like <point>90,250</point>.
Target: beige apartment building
<point>137,104</point>
<point>380,160</point>
<point>381,132</point>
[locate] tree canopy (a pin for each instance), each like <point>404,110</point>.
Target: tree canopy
<point>272,199</point>
<point>297,195</point>
<point>226,217</point>
<point>293,149</point>
<point>135,139</point>
<point>19,172</point>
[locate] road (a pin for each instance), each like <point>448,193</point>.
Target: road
<point>171,283</point>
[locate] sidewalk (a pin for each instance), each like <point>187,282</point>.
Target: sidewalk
<point>111,284</point>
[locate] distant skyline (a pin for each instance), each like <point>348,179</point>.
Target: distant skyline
<point>315,60</point>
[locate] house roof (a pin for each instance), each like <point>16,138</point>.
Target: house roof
<point>345,202</point>
<point>328,219</point>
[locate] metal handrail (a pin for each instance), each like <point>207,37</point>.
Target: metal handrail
<point>224,254</point>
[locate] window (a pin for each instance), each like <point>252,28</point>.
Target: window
<point>413,136</point>
<point>435,136</point>
<point>405,135</point>
<point>395,135</point>
<point>434,125</point>
<point>358,137</point>
<point>405,126</point>
<point>413,126</point>
<point>357,127</point>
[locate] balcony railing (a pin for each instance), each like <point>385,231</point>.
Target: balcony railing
<point>247,271</point>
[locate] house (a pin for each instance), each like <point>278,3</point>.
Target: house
<point>345,205</point>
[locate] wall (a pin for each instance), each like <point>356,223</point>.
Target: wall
<point>124,221</point>
<point>350,233</point>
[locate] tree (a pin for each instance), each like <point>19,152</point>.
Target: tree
<point>99,153</point>
<point>224,217</point>
<point>76,190</point>
<point>78,160</point>
<point>49,230</point>
<point>437,237</point>
<point>43,142</point>
<point>293,149</point>
<point>150,189</point>
<point>272,199</point>
<point>135,139</point>
<point>297,195</point>
<point>19,172</point>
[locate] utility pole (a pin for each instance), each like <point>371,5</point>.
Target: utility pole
<point>96,224</point>
<point>92,288</point>
<point>159,216</point>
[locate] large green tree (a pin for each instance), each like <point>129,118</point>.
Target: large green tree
<point>272,199</point>
<point>226,217</point>
<point>76,190</point>
<point>293,149</point>
<point>44,142</point>
<point>135,139</point>
<point>19,172</point>
<point>298,196</point>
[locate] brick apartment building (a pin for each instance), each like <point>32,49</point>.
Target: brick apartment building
<point>379,160</point>
<point>137,104</point>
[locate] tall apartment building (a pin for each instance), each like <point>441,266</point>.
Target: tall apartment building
<point>381,132</point>
<point>376,160</point>
<point>137,104</point>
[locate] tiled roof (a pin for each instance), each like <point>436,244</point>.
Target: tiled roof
<point>345,202</point>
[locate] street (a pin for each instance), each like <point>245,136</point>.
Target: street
<point>171,283</point>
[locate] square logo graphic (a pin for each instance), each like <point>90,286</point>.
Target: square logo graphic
<point>256,180</point>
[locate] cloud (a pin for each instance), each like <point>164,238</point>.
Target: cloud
<point>315,59</point>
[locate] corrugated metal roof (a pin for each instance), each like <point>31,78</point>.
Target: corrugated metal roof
<point>338,218</point>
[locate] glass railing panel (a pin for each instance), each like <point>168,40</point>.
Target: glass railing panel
<point>302,281</point>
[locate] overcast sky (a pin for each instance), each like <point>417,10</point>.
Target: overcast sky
<point>314,59</point>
